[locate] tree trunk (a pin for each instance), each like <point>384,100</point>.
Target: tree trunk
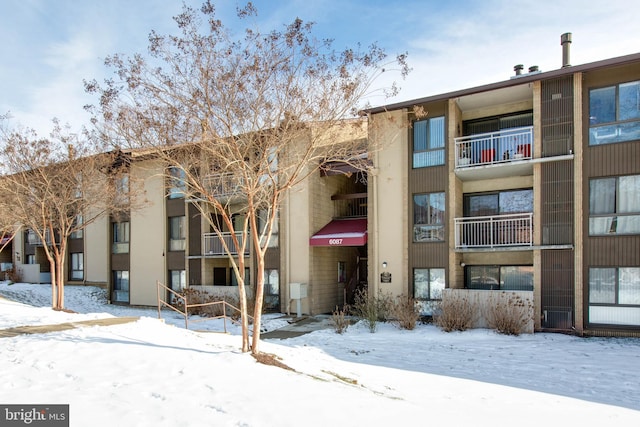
<point>257,312</point>
<point>244,311</point>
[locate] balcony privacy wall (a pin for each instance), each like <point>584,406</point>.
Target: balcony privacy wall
<point>194,242</point>
<point>557,207</point>
<point>434,179</point>
<point>557,289</point>
<point>557,116</point>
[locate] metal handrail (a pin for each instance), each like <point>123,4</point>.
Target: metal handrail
<point>187,306</point>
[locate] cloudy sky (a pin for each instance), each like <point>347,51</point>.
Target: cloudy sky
<point>47,47</point>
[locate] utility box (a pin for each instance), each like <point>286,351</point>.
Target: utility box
<point>298,290</point>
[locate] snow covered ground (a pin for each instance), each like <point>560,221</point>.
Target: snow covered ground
<point>156,373</point>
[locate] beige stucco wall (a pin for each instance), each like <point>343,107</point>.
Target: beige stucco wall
<point>148,236</point>
<point>295,231</point>
<point>96,251</point>
<point>388,203</point>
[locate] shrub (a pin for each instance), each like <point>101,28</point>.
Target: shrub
<point>454,313</point>
<point>405,312</point>
<point>509,314</point>
<point>372,310</point>
<point>340,322</point>
<point>198,296</point>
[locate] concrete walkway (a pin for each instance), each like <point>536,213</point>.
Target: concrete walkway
<point>43,329</point>
<point>300,326</point>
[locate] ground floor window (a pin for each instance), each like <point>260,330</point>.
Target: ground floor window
<point>271,288</point>
<point>614,295</point>
<point>499,277</point>
<point>77,266</point>
<point>121,285</point>
<point>31,259</point>
<point>234,279</point>
<point>428,283</point>
<point>177,280</point>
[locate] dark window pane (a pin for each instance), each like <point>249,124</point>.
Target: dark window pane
<point>602,285</point>
<point>630,101</point>
<point>483,277</point>
<point>602,196</point>
<point>516,278</point>
<point>520,201</point>
<point>420,135</point>
<point>602,105</point>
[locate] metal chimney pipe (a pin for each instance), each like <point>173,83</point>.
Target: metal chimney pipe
<point>565,41</point>
<point>518,69</point>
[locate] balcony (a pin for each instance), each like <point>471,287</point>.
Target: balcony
<point>349,205</point>
<point>494,231</point>
<point>212,244</point>
<point>35,240</point>
<point>510,149</point>
<point>223,185</point>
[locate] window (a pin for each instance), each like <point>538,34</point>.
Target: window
<point>177,280</point>
<point>428,142</point>
<point>234,279</point>
<point>614,113</point>
<point>428,217</point>
<point>122,189</point>
<point>177,183</point>
<point>220,276</point>
<point>121,285</point>
<point>77,266</point>
<point>614,295</point>
<point>120,238</point>
<point>495,277</point>
<point>177,233</point>
<point>504,202</point>
<point>428,283</point>
<point>271,288</point>
<point>78,233</point>
<point>31,259</point>
<point>614,205</point>
<point>263,217</point>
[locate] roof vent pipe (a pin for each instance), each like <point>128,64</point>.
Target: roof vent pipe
<point>518,69</point>
<point>565,41</point>
<point>533,69</point>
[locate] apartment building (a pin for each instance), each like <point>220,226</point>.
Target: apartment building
<point>528,186</point>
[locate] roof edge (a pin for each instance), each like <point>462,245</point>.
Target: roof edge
<point>611,62</point>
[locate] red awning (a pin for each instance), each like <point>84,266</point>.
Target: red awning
<point>341,232</point>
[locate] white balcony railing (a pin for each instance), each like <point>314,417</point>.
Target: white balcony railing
<point>494,231</point>
<point>35,240</point>
<point>507,145</point>
<point>223,184</point>
<point>212,244</point>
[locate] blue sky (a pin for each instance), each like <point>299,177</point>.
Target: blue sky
<point>48,47</point>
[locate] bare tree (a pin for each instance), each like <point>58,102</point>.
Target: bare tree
<point>257,113</point>
<point>55,187</point>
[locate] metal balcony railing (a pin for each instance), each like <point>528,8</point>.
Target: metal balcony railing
<point>35,240</point>
<point>494,231</point>
<point>212,244</point>
<point>349,205</point>
<point>507,145</point>
<point>223,184</point>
